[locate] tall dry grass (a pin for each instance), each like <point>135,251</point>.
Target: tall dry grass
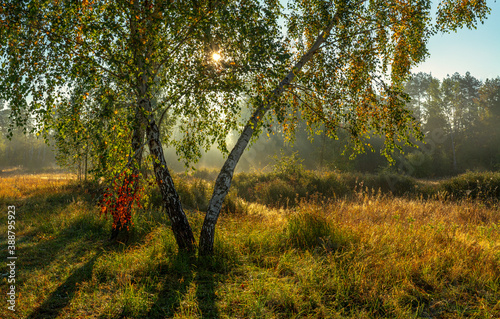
<point>368,255</point>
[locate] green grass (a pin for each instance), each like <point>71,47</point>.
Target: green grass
<point>366,255</point>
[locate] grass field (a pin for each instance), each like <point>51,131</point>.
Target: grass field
<point>366,255</point>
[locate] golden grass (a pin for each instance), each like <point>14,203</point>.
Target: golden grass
<point>21,186</point>
<point>370,256</point>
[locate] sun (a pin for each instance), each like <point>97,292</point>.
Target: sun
<point>216,56</point>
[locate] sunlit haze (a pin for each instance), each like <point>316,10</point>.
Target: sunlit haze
<point>216,56</point>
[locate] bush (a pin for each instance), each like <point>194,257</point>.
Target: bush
<point>277,193</point>
<point>328,185</point>
<point>307,230</point>
<point>474,185</point>
<point>395,183</point>
<point>206,174</point>
<point>277,189</point>
<point>386,182</point>
<point>194,194</point>
<point>234,205</point>
<point>288,165</point>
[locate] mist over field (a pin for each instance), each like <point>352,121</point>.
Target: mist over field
<point>459,116</point>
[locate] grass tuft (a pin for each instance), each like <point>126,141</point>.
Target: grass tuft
<point>308,230</point>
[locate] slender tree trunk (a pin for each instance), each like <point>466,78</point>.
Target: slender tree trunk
<point>223,181</point>
<point>79,168</point>
<point>39,155</point>
<point>453,151</point>
<point>86,155</point>
<point>322,155</point>
<point>32,151</point>
<point>171,201</point>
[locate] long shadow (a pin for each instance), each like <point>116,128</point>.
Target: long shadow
<point>186,270</point>
<point>43,253</point>
<point>36,252</point>
<point>178,278</point>
<point>63,295</point>
<point>205,292</point>
<point>43,207</point>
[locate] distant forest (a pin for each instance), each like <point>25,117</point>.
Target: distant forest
<point>459,115</point>
<point>25,150</point>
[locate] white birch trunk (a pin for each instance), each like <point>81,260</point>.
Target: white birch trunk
<point>223,181</point>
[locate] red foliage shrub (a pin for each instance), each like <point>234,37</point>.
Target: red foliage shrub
<point>118,200</point>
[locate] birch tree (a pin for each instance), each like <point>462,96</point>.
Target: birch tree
<point>350,63</point>
<point>341,66</point>
<point>146,63</point>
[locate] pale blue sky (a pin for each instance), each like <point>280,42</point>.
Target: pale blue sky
<point>476,51</point>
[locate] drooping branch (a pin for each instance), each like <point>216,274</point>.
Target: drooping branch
<point>223,181</point>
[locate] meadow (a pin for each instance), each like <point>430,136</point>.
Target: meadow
<point>288,245</point>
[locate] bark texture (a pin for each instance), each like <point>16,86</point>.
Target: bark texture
<point>223,181</point>
<point>171,201</point>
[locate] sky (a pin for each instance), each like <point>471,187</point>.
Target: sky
<point>476,51</point>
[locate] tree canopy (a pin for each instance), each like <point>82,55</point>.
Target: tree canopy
<point>96,59</point>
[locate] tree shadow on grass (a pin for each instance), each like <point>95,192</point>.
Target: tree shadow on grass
<point>46,251</point>
<point>61,250</point>
<point>178,278</point>
<point>62,296</point>
<point>205,293</point>
<point>185,271</point>
<point>48,237</point>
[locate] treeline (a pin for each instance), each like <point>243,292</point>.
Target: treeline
<point>459,116</point>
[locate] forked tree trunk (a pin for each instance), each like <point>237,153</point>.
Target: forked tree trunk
<point>223,181</point>
<point>171,201</point>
